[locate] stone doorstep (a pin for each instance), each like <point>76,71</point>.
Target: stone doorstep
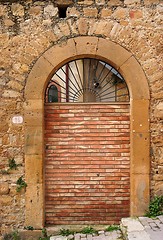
<point>54,232</point>
<point>30,234</point>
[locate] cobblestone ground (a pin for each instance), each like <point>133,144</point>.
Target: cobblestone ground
<point>142,228</point>
<point>154,227</point>
<point>102,235</point>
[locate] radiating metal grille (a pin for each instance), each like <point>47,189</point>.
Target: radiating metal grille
<point>87,80</point>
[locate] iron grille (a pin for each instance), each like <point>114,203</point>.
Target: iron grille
<point>87,80</point>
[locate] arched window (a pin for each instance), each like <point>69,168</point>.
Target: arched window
<point>53,94</point>
<point>87,80</point>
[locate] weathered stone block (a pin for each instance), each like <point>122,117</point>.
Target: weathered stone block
<point>4,188</point>
<point>35,10</point>
<point>100,2</point>
<point>6,200</point>
<point>50,11</point>
<point>85,2</point>
<point>135,14</point>
<point>73,12</point>
<point>129,2</point>
<point>17,9</point>
<point>159,189</point>
<point>149,2</point>
<point>120,13</point>
<point>114,2</point>
<point>90,12</point>
<point>83,26</point>
<point>105,12</point>
<point>159,110</point>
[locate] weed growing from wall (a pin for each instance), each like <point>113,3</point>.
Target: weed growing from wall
<point>155,207</point>
<point>20,184</point>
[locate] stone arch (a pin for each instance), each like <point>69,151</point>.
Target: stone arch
<point>37,80</point>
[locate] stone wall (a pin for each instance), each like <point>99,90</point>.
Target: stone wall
<point>28,29</point>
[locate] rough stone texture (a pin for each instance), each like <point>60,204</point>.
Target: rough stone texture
<point>29,29</point>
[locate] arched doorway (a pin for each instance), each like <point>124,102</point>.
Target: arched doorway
<point>87,136</point>
<point>128,67</point>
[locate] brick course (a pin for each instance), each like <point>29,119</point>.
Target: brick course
<point>86,171</point>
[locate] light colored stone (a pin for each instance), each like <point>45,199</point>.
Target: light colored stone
<point>159,110</point>
<point>129,2</point>
<point>3,10</point>
<point>15,85</point>
<point>8,22</point>
<point>149,2</point>
<point>114,3</point>
<point>102,28</point>
<point>4,188</point>
<point>105,12</point>
<point>83,26</point>
<point>17,9</point>
<point>73,12</point>
<point>90,12</point>
<point>35,11</point>
<point>85,2</point>
<point>50,11</point>
<point>120,13</point>
<point>100,2</point>
<point>10,94</point>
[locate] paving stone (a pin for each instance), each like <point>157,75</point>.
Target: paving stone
<point>160,218</point>
<point>132,224</point>
<point>70,237</point>
<point>58,238</point>
<point>77,236</point>
<point>151,229</point>
<point>89,237</point>
<point>138,235</point>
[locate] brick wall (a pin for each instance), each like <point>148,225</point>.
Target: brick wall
<point>87,163</point>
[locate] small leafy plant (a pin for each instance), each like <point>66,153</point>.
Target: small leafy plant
<point>20,184</point>
<point>12,236</point>
<point>12,165</point>
<point>45,235</point>
<point>155,207</point>
<point>66,232</point>
<point>29,228</point>
<point>112,228</point>
<point>89,230</point>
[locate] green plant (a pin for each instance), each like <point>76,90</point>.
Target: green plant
<point>12,164</point>
<point>16,235</point>
<point>5,171</point>
<point>12,236</point>
<point>112,228</point>
<point>45,235</point>
<point>29,228</point>
<point>155,207</point>
<point>66,232</point>
<point>89,230</point>
<point>21,184</point>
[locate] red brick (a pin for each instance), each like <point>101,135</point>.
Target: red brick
<point>87,163</point>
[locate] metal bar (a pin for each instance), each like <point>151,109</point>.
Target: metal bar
<point>79,75</point>
<point>61,87</point>
<point>67,84</point>
<point>67,76</point>
<point>74,77</point>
